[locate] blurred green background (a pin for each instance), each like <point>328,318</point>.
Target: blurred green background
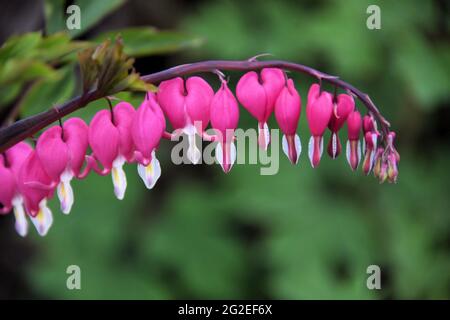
<point>299,234</point>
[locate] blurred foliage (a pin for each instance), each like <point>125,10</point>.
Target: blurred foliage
<point>299,234</point>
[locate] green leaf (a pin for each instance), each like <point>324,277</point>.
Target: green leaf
<point>144,41</point>
<point>24,70</point>
<point>48,92</point>
<point>54,16</point>
<point>91,13</point>
<point>21,46</point>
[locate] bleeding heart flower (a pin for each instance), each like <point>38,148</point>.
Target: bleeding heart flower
<point>354,123</point>
<point>287,113</point>
<point>319,109</point>
<point>112,145</point>
<point>36,186</point>
<point>187,108</point>
<point>147,130</point>
<point>258,95</point>
<point>342,108</point>
<point>224,119</point>
<point>11,162</point>
<point>62,151</point>
<point>369,152</point>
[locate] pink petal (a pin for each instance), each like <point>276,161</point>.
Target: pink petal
<point>16,156</point>
<point>252,95</point>
<point>104,138</point>
<point>53,152</point>
<point>273,81</point>
<point>318,110</point>
<point>171,98</point>
<point>224,112</point>
<point>123,117</point>
<point>198,101</point>
<point>33,171</point>
<point>76,134</point>
<point>344,106</point>
<point>288,108</point>
<point>7,185</point>
<point>354,123</point>
<point>147,129</point>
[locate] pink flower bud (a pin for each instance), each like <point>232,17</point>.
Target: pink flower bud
<point>392,171</point>
<point>354,123</point>
<point>319,108</point>
<point>287,114</point>
<point>377,162</point>
<point>342,108</point>
<point>224,119</point>
<point>258,95</point>
<point>7,186</point>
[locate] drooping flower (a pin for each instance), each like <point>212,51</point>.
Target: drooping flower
<point>369,151</point>
<point>224,119</point>
<point>319,108</point>
<point>342,107</point>
<point>287,114</point>
<point>10,164</point>
<point>147,130</point>
<point>258,94</point>
<point>112,145</point>
<point>62,151</point>
<point>186,104</point>
<point>36,186</point>
<point>354,123</point>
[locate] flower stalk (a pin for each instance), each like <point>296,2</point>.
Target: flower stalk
<point>18,131</point>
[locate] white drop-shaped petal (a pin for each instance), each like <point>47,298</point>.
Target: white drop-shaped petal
<point>21,223</point>
<point>359,151</point>
<point>193,153</point>
<point>219,155</point>
<point>285,145</point>
<point>65,192</point>
<point>334,144</point>
<point>347,152</point>
<point>297,145</point>
<point>151,173</point>
<point>44,218</point>
<point>264,136</point>
<point>118,177</point>
<point>311,150</point>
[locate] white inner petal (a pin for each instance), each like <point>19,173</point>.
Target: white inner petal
<point>44,219</point>
<point>151,173</point>
<point>311,150</point>
<point>264,132</point>
<point>348,151</point>
<point>65,192</point>
<point>285,146</point>
<point>193,153</point>
<point>21,223</point>
<point>359,151</point>
<point>119,178</point>
<point>334,144</point>
<point>298,146</point>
